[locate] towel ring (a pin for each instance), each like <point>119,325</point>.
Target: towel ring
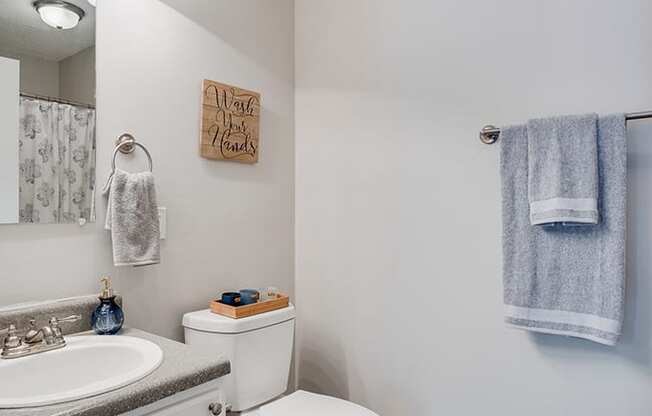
<point>126,144</point>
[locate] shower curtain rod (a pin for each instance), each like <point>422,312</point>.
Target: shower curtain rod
<point>57,100</point>
<point>489,134</point>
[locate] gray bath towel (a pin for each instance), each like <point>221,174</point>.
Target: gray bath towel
<point>563,170</point>
<point>565,280</point>
<point>132,218</point>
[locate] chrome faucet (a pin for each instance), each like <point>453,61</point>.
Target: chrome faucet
<point>47,338</point>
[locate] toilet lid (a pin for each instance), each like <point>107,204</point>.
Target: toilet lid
<point>302,403</point>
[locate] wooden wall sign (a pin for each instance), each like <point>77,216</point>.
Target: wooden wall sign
<point>230,123</point>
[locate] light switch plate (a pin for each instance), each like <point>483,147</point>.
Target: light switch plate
<point>163,222</point>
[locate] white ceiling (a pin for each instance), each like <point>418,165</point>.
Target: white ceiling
<point>23,33</point>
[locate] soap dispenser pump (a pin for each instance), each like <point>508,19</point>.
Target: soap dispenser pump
<point>108,317</point>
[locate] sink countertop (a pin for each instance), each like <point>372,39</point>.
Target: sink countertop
<point>182,368</point>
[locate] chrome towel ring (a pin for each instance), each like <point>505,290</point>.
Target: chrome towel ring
<point>126,144</point>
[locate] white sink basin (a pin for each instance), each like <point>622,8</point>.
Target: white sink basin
<point>88,365</point>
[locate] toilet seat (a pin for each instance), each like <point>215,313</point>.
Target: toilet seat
<point>303,403</point>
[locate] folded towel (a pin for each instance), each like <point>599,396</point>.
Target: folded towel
<point>132,218</point>
<point>563,170</point>
<point>565,280</point>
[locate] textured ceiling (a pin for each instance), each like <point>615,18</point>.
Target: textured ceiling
<point>23,33</point>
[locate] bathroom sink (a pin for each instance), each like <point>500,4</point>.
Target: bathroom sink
<point>88,365</point>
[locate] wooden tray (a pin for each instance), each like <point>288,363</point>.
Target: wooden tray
<point>237,312</point>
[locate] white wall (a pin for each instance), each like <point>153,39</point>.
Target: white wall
<point>72,78</point>
<point>38,76</point>
<point>229,225</point>
<point>398,259</point>
<point>77,77</point>
<point>9,113</point>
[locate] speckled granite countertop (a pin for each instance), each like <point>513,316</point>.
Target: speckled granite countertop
<point>182,368</point>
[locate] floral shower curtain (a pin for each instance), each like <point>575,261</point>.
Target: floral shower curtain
<point>57,162</point>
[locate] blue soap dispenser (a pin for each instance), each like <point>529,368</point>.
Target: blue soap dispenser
<point>108,317</point>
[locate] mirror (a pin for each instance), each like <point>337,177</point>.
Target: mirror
<point>47,111</point>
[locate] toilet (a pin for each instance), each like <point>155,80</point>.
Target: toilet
<point>260,350</point>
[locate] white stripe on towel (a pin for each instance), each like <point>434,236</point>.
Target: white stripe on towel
<point>564,317</point>
<point>593,338</point>
<point>575,204</point>
<point>570,221</point>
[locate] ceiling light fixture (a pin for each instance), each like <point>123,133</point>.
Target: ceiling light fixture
<point>92,2</point>
<point>59,14</point>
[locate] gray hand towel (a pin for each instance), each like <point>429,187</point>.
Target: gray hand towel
<point>132,218</point>
<point>565,280</point>
<point>563,170</point>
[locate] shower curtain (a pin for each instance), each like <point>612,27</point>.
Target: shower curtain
<point>56,162</point>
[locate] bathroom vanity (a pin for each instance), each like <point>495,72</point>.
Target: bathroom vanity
<point>134,373</point>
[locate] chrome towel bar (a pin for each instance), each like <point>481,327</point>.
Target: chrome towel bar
<point>489,134</point>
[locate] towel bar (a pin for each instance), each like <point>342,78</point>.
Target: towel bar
<point>489,134</point>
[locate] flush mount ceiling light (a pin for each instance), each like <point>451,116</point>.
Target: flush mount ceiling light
<point>59,14</point>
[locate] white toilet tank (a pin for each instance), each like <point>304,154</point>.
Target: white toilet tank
<point>259,348</point>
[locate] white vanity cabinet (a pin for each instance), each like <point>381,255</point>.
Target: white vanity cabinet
<point>204,400</point>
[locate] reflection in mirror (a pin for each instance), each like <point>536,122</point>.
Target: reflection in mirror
<point>47,102</point>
